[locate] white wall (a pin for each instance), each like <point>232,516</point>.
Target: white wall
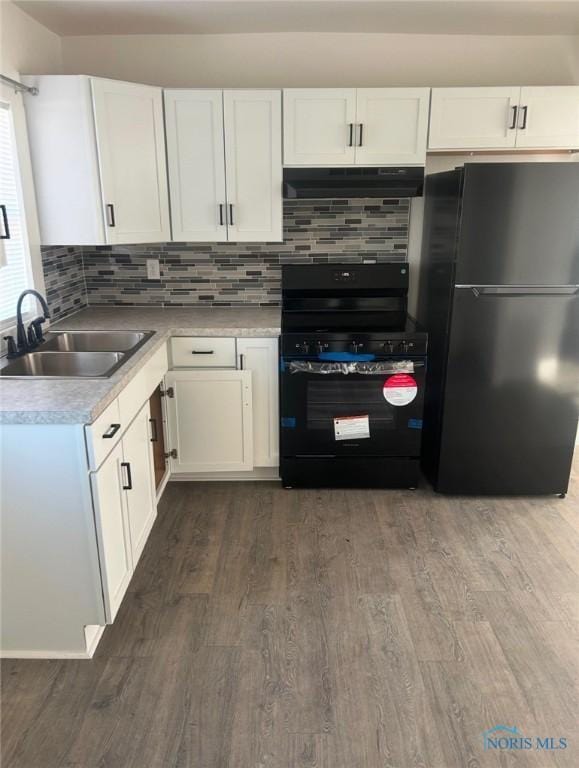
<point>26,47</point>
<point>313,59</point>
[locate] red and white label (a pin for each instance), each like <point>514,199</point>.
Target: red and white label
<point>400,389</point>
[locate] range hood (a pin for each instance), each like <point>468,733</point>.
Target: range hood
<point>317,183</point>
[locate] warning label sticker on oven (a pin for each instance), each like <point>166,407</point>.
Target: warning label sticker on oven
<point>400,389</point>
<point>351,427</point>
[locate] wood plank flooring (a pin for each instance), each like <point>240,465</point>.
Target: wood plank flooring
<point>267,628</point>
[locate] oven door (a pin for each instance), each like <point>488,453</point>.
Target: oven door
<point>351,408</point>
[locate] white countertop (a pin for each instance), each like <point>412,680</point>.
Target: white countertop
<point>80,401</point>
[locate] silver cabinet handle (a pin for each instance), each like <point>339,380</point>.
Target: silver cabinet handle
<point>524,111</point>
<point>231,213</point>
<point>351,141</point>
<point>202,352</point>
<point>111,431</point>
<point>221,220</point>
<point>361,126</point>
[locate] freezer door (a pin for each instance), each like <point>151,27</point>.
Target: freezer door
<point>519,224</point>
<point>511,398</point>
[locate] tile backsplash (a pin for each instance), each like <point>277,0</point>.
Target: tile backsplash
<point>64,280</point>
<point>228,274</point>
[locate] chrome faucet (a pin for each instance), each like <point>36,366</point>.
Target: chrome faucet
<point>27,340</point>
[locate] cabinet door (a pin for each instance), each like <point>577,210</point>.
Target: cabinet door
<point>318,127</point>
<point>158,436</point>
<point>113,534</point>
<point>391,126</point>
<point>196,161</point>
<point>140,487</point>
<point>253,161</point>
<point>131,148</point>
<point>473,118</point>
<point>260,356</point>
<point>210,421</point>
<point>549,117</point>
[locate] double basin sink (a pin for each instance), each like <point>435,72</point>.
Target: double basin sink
<point>77,354</point>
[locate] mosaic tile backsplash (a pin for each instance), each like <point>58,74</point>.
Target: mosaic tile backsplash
<point>234,274</point>
<point>64,281</point>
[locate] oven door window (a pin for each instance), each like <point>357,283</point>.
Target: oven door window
<point>328,400</point>
<point>311,403</point>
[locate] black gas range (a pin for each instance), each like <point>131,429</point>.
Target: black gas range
<point>352,373</point>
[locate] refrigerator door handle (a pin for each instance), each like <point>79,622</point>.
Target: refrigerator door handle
<point>522,290</point>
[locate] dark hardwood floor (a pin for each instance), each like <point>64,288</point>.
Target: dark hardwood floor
<point>331,629</point>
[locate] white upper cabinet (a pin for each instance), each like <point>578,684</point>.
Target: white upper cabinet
<point>504,118</point>
<point>363,126</point>
<point>549,117</point>
<point>196,160</point>
<point>98,158</point>
<point>225,167</point>
<point>473,118</point>
<point>131,148</point>
<point>392,126</point>
<point>253,160</point>
<point>319,126</point>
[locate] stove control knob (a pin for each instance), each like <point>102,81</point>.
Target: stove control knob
<point>389,347</point>
<point>320,347</point>
<point>354,347</point>
<point>303,347</point>
<point>406,346</point>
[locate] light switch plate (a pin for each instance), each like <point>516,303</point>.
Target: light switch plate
<point>153,269</point>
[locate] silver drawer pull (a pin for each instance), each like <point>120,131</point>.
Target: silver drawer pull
<point>111,431</point>
<point>202,352</point>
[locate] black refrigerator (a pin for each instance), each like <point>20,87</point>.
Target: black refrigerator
<point>499,297</point>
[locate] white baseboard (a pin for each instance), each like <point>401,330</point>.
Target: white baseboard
<point>259,473</point>
<point>93,634</point>
<point>163,485</point>
<point>44,655</point>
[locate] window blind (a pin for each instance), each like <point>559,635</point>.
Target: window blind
<point>15,266</point>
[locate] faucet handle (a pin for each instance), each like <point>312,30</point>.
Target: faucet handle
<point>37,326</point>
<point>31,338</point>
<point>11,344</point>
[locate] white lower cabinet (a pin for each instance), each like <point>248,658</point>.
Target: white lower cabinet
<point>125,509</point>
<point>260,356</point>
<point>140,493</point>
<point>223,417</point>
<point>210,420</point>
<point>114,540</point>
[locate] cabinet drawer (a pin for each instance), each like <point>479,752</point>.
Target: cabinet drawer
<point>203,352</point>
<point>103,434</point>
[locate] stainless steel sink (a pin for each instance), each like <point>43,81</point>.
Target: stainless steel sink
<point>64,365</point>
<point>95,341</point>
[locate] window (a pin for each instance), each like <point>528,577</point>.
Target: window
<point>20,261</point>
